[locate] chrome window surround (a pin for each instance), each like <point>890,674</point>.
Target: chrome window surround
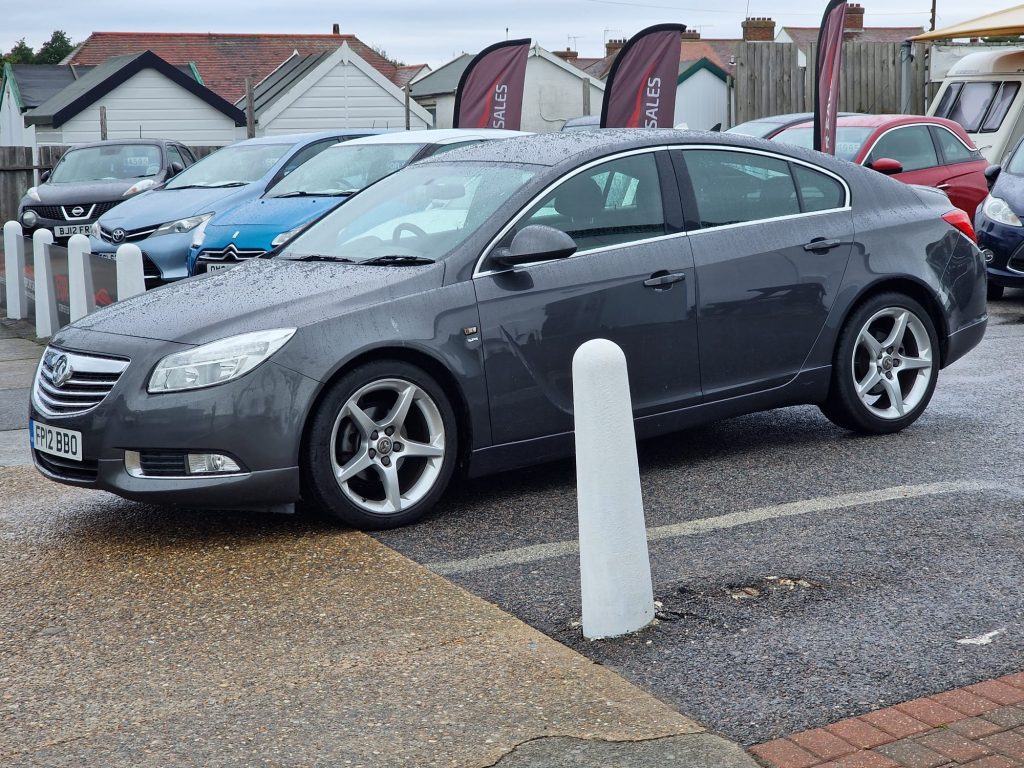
<point>479,272</point>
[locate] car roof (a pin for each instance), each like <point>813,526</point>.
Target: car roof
<point>436,136</point>
<point>301,138</point>
<point>883,121</point>
<point>110,142</point>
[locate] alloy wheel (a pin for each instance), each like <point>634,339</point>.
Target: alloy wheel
<point>893,363</point>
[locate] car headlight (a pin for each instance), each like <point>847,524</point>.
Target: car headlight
<point>218,361</point>
<point>199,234</point>
<point>284,237</point>
<point>33,192</point>
<point>139,186</point>
<point>999,210</point>
<point>181,225</point>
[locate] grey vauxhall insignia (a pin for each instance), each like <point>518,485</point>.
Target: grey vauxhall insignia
<point>428,325</point>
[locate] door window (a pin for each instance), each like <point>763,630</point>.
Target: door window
<point>305,154</point>
<point>818,191</point>
<point>174,156</point>
<point>737,187</point>
<point>612,203</point>
<point>953,150</point>
<point>911,146</point>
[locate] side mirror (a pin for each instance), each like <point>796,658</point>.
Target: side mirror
<point>44,176</point>
<point>536,243</point>
<point>991,175</point>
<point>175,169</point>
<point>887,165</point>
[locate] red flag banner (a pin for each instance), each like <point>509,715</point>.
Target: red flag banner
<point>826,80</point>
<point>490,93</point>
<point>641,88</point>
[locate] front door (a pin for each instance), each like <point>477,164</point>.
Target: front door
<point>630,281</point>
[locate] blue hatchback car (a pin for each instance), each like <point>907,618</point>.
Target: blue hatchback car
<point>254,227</point>
<point>999,224</point>
<point>162,221</point>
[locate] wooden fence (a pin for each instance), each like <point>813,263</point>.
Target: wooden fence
<point>770,80</point>
<point>16,169</point>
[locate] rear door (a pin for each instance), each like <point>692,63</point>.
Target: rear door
<point>771,239</point>
<point>631,281</point>
<point>964,177</point>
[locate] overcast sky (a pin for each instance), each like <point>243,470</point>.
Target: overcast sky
<point>416,31</point>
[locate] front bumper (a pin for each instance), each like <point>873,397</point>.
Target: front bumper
<point>1006,244</point>
<point>258,419</point>
<point>165,256</point>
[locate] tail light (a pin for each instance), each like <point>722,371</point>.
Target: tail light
<point>961,221</point>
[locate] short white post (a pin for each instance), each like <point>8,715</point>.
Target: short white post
<point>615,568</point>
<point>130,279</point>
<point>83,298</point>
<point>14,265</point>
<point>47,321</point>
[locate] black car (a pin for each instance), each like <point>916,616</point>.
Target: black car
<point>91,179</point>
<point>428,325</point>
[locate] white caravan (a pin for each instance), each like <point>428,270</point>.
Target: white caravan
<point>984,92</point>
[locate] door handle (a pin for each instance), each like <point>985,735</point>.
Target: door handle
<point>821,244</point>
<point>662,279</point>
<point>944,186</point>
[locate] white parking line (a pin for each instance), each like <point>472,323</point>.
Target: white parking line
<point>555,549</point>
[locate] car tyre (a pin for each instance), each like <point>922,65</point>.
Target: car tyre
<point>381,447</point>
<point>885,368</point>
<point>995,291</point>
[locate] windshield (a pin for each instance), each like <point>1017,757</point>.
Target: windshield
<point>756,128</point>
<point>238,164</point>
<point>1015,164</point>
<point>849,139</point>
<point>109,163</point>
<point>345,168</point>
<point>421,212</point>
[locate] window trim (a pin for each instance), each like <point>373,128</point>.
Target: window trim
<point>942,152</point>
<point>478,270</point>
<point>926,125</point>
<point>691,199</point>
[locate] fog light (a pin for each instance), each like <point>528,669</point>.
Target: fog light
<point>211,463</point>
<point>29,218</point>
<point>988,255</point>
<point>133,463</point>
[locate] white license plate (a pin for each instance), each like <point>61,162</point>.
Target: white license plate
<point>67,230</point>
<point>218,267</point>
<point>56,441</point>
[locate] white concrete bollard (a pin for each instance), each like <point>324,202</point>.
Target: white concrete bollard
<point>130,279</point>
<point>47,322</point>
<point>83,297</point>
<point>14,265</point>
<point>615,568</point>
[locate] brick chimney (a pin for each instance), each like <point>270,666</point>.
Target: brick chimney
<point>568,55</point>
<point>336,29</point>
<point>854,17</point>
<point>758,29</point>
<point>690,34</point>
<point>613,47</point>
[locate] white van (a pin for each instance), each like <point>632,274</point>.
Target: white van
<point>983,92</point>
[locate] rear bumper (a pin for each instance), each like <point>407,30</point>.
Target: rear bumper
<point>963,341</point>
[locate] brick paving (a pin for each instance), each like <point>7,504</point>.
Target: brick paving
<point>980,726</point>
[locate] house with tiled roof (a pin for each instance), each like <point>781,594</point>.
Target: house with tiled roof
<point>223,61</point>
<point>331,89</point>
<point>854,32</point>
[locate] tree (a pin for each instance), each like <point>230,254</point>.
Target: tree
<point>379,50</point>
<point>21,53</point>
<point>55,49</point>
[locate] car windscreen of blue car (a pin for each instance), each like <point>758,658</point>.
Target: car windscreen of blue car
<point>255,227</point>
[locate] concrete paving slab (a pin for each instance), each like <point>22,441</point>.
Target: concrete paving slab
<point>17,374</point>
<point>19,349</point>
<point>14,448</point>
<point>13,408</point>
<point>135,635</point>
<point>701,750</point>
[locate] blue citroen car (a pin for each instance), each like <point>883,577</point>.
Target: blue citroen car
<point>999,224</point>
<point>256,226</point>
<point>161,221</point>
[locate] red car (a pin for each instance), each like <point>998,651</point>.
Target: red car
<point>916,150</point>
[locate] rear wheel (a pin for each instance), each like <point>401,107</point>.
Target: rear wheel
<point>995,291</point>
<point>886,366</point>
<point>382,446</point>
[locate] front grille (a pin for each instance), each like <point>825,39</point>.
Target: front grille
<point>68,469</point>
<point>90,211</point>
<point>129,236</point>
<point>149,268</point>
<point>47,211</point>
<point>230,253</point>
<point>1016,261</point>
<point>163,463</point>
<point>70,383</point>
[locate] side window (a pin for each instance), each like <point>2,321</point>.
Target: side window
<point>911,146</point>
<point>615,202</point>
<point>1000,106</point>
<point>187,154</point>
<point>735,187</point>
<point>818,192</point>
<point>305,154</point>
<point>174,156</point>
<point>953,150</point>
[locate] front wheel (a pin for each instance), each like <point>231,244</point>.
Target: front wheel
<point>886,366</point>
<point>381,447</point>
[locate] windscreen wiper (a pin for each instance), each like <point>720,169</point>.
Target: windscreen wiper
<point>295,193</point>
<point>317,257</point>
<point>397,261</point>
